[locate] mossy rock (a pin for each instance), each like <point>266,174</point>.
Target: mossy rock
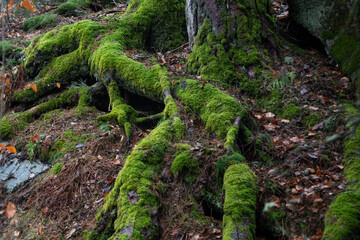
<point>10,50</point>
<point>41,21</point>
<point>72,8</point>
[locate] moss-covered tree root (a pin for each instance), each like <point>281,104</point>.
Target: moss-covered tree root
<point>342,220</point>
<point>88,50</point>
<point>240,185</point>
<point>18,121</point>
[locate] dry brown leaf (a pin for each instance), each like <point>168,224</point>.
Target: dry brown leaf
<point>40,231</point>
<point>269,115</point>
<point>44,210</point>
<point>10,210</point>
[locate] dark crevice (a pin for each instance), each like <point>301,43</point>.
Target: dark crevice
<point>298,35</point>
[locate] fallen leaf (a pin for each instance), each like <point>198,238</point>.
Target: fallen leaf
<point>34,87</point>
<point>10,210</point>
<point>270,127</point>
<point>44,210</point>
<point>16,233</point>
<point>58,85</point>
<point>11,149</point>
<point>40,231</point>
<point>269,115</point>
<point>295,199</point>
<point>70,233</point>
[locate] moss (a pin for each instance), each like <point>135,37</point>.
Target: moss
<point>272,102</point>
<point>291,111</point>
<point>228,52</point>
<point>57,168</point>
<point>40,21</point>
<point>47,48</point>
<point>226,161</point>
<point>13,123</point>
<point>342,220</point>
<point>133,197</point>
<point>10,50</point>
<point>72,8</point>
<point>217,109</point>
<point>312,119</point>
<point>352,142</point>
<point>240,202</point>
<point>183,163</point>
<point>346,50</point>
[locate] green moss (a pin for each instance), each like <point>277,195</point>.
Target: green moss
<point>40,21</point>
<point>10,50</point>
<point>183,163</point>
<point>342,220</point>
<point>226,161</point>
<point>136,180</point>
<point>240,202</point>
<point>13,123</point>
<point>346,50</point>
<point>273,102</point>
<point>312,119</point>
<point>49,48</point>
<point>291,111</point>
<point>72,8</point>
<point>57,168</point>
<point>217,109</point>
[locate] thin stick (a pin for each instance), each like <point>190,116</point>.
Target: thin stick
<point>3,65</point>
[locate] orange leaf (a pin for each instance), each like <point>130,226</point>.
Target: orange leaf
<point>35,138</point>
<point>3,146</point>
<point>44,210</point>
<point>11,5</point>
<point>27,5</point>
<point>58,85</point>
<point>11,149</point>
<point>8,81</point>
<point>10,210</point>
<point>40,230</point>
<point>7,75</point>
<point>106,194</point>
<point>34,87</point>
<point>2,212</point>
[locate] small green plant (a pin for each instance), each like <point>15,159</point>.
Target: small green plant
<point>57,168</point>
<point>286,80</point>
<point>105,126</point>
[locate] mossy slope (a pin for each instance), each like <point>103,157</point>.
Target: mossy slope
<point>342,218</point>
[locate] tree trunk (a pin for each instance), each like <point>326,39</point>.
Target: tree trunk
<point>229,39</point>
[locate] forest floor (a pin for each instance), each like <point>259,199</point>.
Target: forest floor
<point>297,183</point>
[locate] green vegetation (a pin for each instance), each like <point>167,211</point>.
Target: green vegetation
<point>10,50</point>
<point>291,111</point>
<point>57,168</point>
<point>342,218</point>
<point>40,21</point>
<point>240,201</point>
<point>72,8</point>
